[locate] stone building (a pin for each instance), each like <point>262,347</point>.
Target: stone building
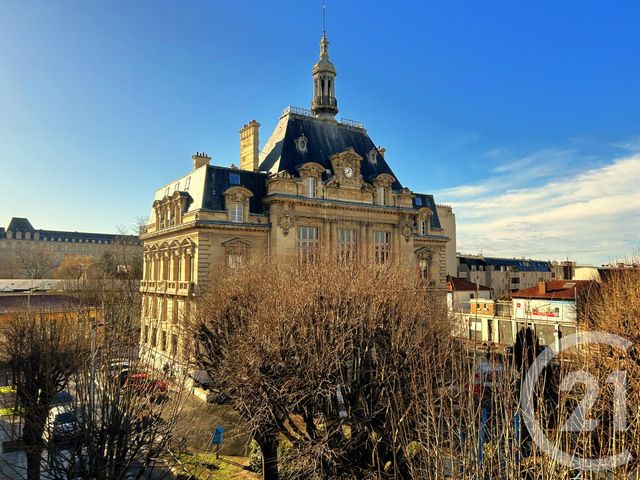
<point>19,236</point>
<point>504,275</point>
<point>317,184</point>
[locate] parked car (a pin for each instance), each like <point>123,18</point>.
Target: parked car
<point>62,424</point>
<point>145,384</point>
<point>486,375</point>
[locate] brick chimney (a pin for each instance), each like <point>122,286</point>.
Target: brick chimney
<point>542,288</point>
<point>200,159</point>
<point>249,146</point>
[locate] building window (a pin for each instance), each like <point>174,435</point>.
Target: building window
<point>310,187</point>
<point>187,184</point>
<point>308,242</point>
<point>237,212</point>
<point>174,344</point>
<point>347,246</point>
<point>422,227</point>
<point>381,246</point>
<point>174,311</point>
<point>163,342</point>
<point>154,337</point>
<point>145,337</point>
<point>381,193</point>
<point>418,201</point>
<point>234,179</point>
<point>423,265</point>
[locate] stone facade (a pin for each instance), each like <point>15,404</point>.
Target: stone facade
<point>317,185</point>
<point>20,235</point>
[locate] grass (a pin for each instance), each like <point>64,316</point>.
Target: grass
<point>205,466</point>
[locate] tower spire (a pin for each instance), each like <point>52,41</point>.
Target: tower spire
<point>324,103</point>
<point>324,19</point>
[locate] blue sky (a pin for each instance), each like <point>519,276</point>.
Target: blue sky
<point>522,115</point>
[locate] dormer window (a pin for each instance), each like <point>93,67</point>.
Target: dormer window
<point>234,179</point>
<point>373,156</point>
<point>422,227</point>
<point>310,186</point>
<point>237,213</point>
<point>418,201</point>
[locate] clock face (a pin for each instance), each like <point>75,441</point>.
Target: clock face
<point>348,172</point>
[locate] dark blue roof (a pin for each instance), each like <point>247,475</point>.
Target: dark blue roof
<point>19,224</point>
<point>324,138</point>
<point>424,200</point>
<point>23,225</point>
<point>523,265</point>
<point>218,181</point>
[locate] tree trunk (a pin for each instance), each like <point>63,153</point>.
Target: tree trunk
<point>269,447</point>
<point>33,450</point>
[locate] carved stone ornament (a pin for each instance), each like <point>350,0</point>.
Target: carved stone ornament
<point>406,227</point>
<point>286,222</point>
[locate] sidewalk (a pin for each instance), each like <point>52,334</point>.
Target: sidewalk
<point>13,465</point>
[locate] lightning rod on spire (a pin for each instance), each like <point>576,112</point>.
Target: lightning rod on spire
<point>324,18</point>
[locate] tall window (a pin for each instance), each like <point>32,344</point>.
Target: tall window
<point>381,193</point>
<point>174,311</point>
<point>174,344</point>
<point>423,265</point>
<point>308,242</point>
<point>237,212</point>
<point>422,227</point>
<point>163,342</point>
<point>154,337</point>
<point>382,246</point>
<point>347,246</point>
<point>236,256</point>
<point>310,186</point>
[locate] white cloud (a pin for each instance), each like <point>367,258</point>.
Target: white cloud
<point>592,216</point>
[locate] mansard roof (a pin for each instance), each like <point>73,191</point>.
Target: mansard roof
<point>19,224</point>
<point>206,187</point>
<point>324,138</point>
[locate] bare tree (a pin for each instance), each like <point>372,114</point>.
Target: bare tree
<point>324,354</point>
<point>10,265</point>
<point>38,260</point>
<point>43,354</point>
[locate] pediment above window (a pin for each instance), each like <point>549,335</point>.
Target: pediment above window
<point>310,169</point>
<point>236,243</point>
<point>237,193</point>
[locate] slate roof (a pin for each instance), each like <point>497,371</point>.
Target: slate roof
<point>455,284</point>
<point>18,224</point>
<point>555,290</point>
<point>206,186</point>
<point>523,265</point>
<point>218,181</point>
<point>424,200</point>
<point>324,138</point>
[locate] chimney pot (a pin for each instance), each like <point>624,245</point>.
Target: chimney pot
<point>200,159</point>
